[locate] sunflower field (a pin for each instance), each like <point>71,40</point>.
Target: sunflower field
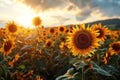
<point>74,52</point>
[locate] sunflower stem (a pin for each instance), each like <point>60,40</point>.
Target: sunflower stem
<point>79,57</point>
<point>98,58</point>
<point>83,76</point>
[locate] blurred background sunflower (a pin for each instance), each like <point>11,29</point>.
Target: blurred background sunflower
<point>102,30</point>
<point>11,27</point>
<point>49,43</point>
<point>37,21</point>
<point>61,29</point>
<point>115,47</point>
<point>7,47</point>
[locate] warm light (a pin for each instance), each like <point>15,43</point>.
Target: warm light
<point>24,15</point>
<point>26,21</point>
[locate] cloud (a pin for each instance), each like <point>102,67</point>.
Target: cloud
<point>107,7</point>
<point>43,5</point>
<point>83,14</point>
<point>61,18</point>
<point>81,10</point>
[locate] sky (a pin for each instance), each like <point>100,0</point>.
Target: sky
<point>57,12</point>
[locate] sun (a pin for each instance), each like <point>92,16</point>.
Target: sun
<point>26,20</point>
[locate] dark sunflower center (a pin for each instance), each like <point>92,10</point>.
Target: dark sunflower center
<point>101,33</point>
<point>67,31</point>
<point>83,40</point>
<point>62,39</point>
<point>52,31</point>
<point>61,29</point>
<point>13,28</point>
<point>44,34</point>
<point>7,46</point>
<point>49,44</point>
<point>56,33</point>
<point>116,47</point>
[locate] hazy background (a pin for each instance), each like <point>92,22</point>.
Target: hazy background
<point>58,12</point>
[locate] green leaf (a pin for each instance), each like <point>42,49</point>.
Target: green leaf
<point>69,75</point>
<point>3,72</point>
<point>75,76</point>
<point>25,47</point>
<point>30,37</point>
<point>21,67</point>
<point>63,77</point>
<point>111,69</point>
<point>79,65</point>
<point>74,60</point>
<point>70,71</point>
<point>99,69</point>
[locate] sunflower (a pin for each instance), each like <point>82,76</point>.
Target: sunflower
<point>42,27</point>
<point>48,43</point>
<point>103,31</point>
<point>37,21</point>
<point>63,46</point>
<point>107,56</point>
<point>51,30</point>
<point>115,47</point>
<point>61,29</point>
<point>114,35</point>
<point>82,40</point>
<point>7,46</point>
<point>44,34</point>
<point>55,35</point>
<point>15,58</point>
<point>11,27</point>
<point>2,32</point>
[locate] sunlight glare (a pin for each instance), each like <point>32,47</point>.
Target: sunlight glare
<point>26,20</point>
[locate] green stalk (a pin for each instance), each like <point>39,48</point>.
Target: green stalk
<point>83,76</point>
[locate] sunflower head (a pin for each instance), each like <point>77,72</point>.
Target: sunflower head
<point>44,34</point>
<point>107,56</point>
<point>48,43</point>
<point>44,31</point>
<point>61,29</point>
<point>103,31</point>
<point>52,30</point>
<point>11,27</point>
<point>7,46</point>
<point>82,40</point>
<point>114,35</point>
<point>37,21</point>
<point>2,32</point>
<point>55,35</point>
<point>63,46</point>
<point>115,47</point>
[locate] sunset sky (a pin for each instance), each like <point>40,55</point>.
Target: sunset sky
<point>58,12</point>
